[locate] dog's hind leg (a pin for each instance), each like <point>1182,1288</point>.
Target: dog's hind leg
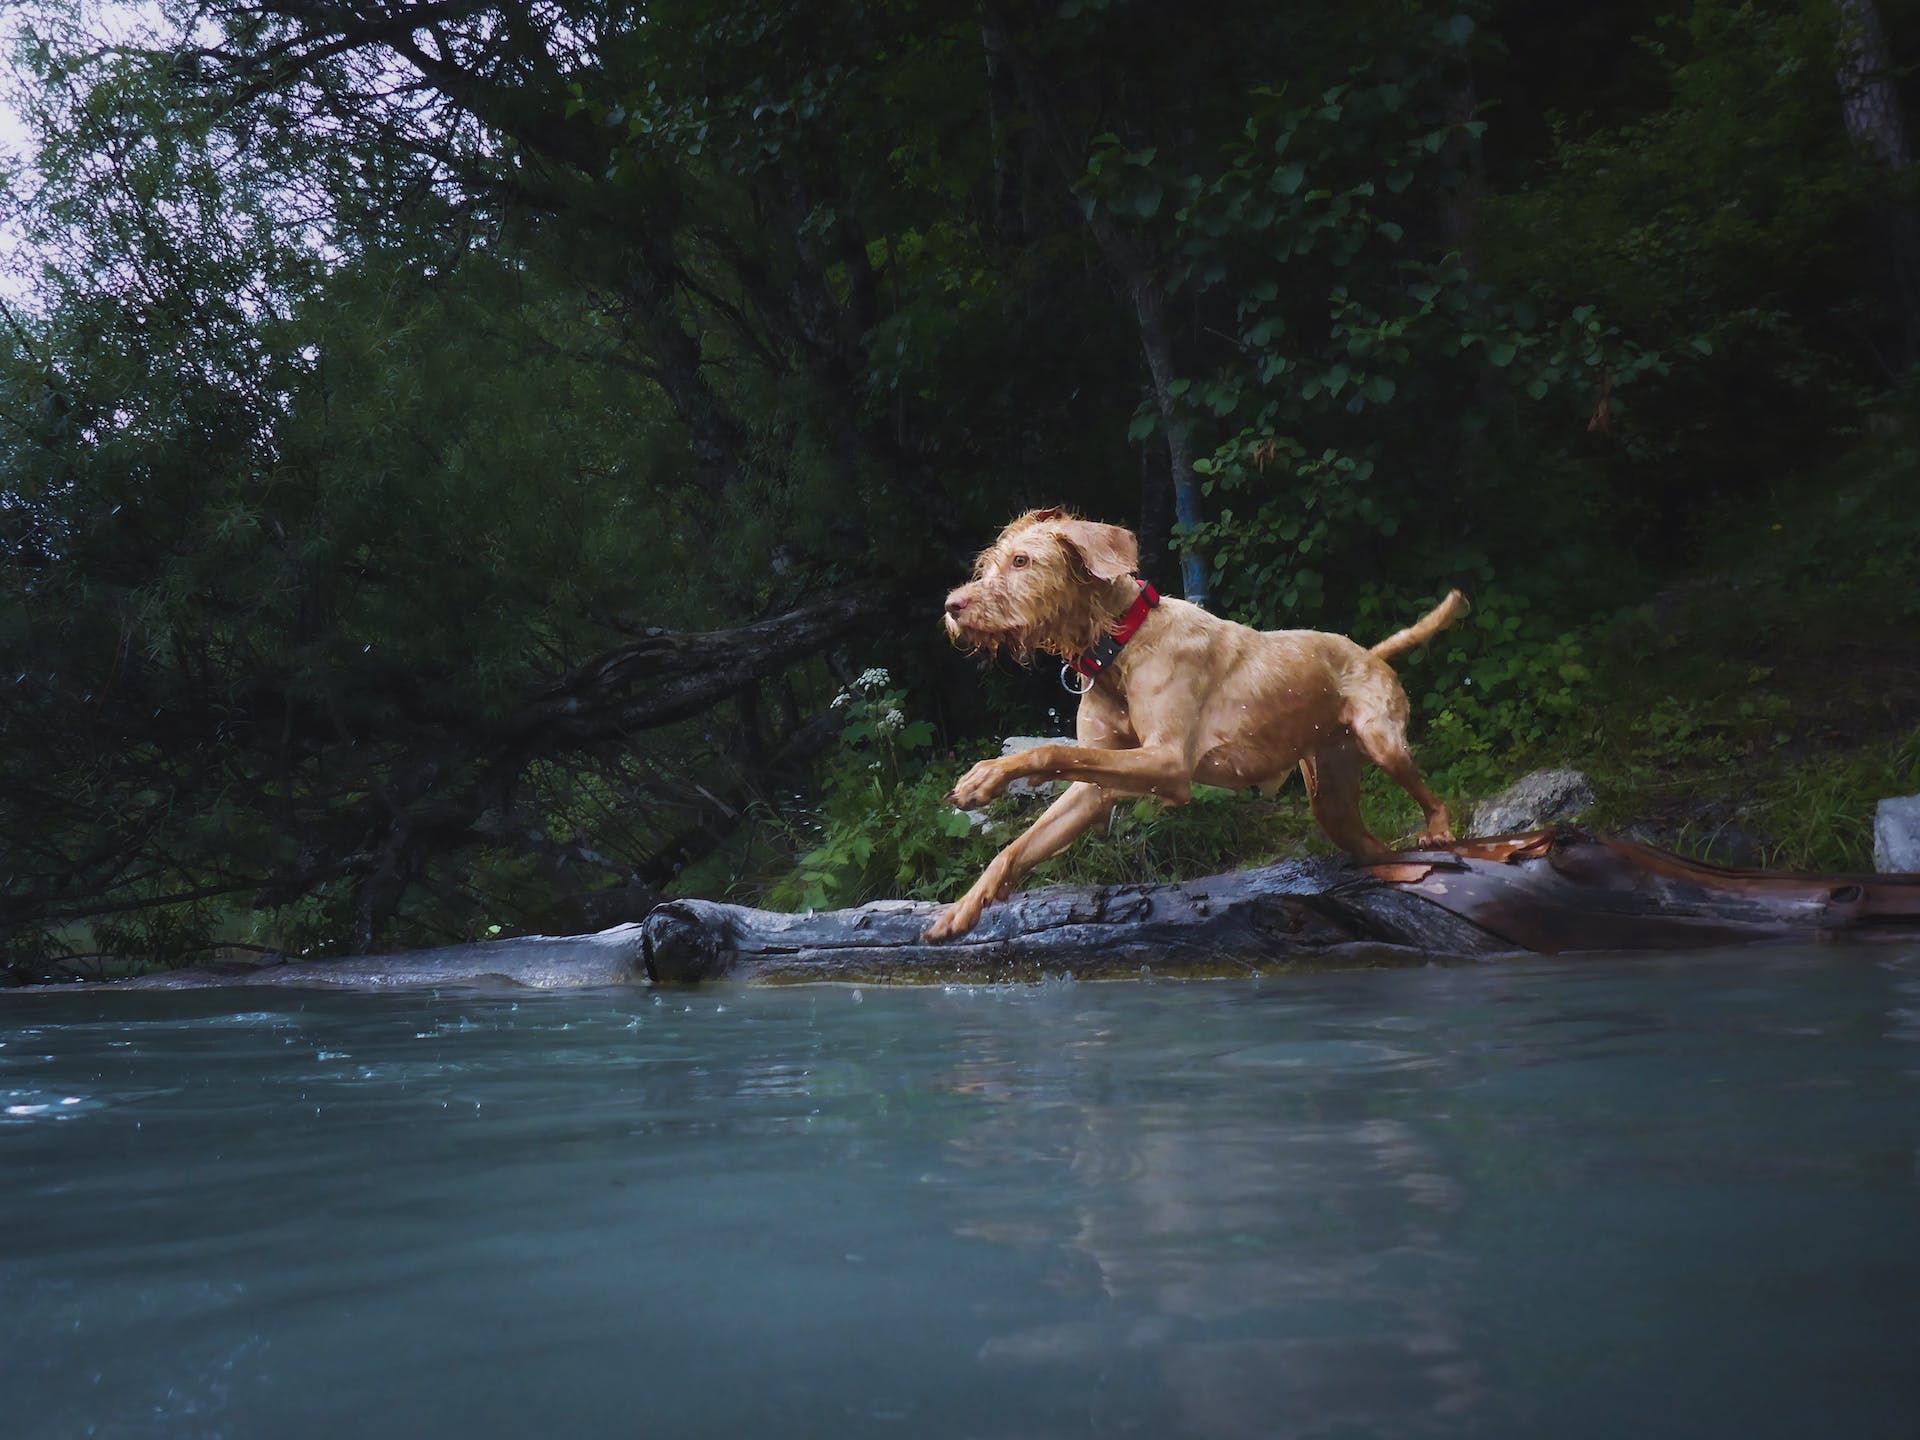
<point>1383,739</point>
<point>1332,773</point>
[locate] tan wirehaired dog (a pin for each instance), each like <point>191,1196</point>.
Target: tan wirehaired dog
<point>1173,696</point>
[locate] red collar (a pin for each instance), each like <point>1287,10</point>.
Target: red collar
<point>1097,659</point>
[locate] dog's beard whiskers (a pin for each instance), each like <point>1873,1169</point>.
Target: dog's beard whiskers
<point>988,641</point>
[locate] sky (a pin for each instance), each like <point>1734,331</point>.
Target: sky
<point>108,17</point>
<point>13,146</point>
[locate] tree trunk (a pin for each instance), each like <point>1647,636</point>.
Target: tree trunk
<point>1877,123</point>
<point>1155,527</point>
<point>1009,226</point>
<point>1156,342</point>
<point>1130,263</point>
<point>1868,99</point>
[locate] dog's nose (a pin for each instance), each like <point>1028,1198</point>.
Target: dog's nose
<point>957,602</point>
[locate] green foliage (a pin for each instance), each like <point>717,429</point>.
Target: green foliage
<point>883,826</point>
<point>346,427</point>
<point>1860,522</point>
<point>1507,684</point>
<point>1148,843</point>
<point>1726,225</point>
<point>1819,818</point>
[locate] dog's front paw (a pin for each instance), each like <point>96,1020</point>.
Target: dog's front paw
<point>956,920</point>
<point>978,786</point>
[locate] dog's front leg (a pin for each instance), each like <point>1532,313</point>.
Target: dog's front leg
<point>1081,809</point>
<point>1164,771</point>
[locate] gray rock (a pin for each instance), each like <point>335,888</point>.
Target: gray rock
<point>1014,744</point>
<point>1546,797</point>
<point>1896,835</point>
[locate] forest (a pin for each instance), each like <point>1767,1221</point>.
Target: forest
<point>477,469</point>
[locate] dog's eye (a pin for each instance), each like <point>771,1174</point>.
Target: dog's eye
<point>1019,562</point>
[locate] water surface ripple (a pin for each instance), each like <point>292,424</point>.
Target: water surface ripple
<point>1657,1197</point>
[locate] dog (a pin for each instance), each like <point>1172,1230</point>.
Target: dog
<point>1173,696</point>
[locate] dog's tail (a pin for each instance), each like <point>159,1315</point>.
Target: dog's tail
<point>1446,613</point>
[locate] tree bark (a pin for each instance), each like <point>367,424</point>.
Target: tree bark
<point>1868,99</point>
<point>1131,265</point>
<point>1876,121</point>
<point>1156,343</point>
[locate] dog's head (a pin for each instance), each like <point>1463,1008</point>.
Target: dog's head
<point>1048,584</point>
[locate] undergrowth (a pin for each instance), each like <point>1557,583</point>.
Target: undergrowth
<point>1752,714</point>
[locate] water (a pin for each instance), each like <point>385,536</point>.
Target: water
<point>1587,1198</point>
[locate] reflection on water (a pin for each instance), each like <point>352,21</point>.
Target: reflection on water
<point>1584,1198</point>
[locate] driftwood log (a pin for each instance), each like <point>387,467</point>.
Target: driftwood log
<point>537,962</point>
<point>1546,892</point>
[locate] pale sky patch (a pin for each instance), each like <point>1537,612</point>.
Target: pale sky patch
<point>110,20</point>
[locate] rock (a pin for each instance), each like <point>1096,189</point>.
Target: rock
<point>1014,744</point>
<point>1546,797</point>
<point>1896,835</point>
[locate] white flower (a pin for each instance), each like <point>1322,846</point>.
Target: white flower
<point>872,680</point>
<point>890,722</point>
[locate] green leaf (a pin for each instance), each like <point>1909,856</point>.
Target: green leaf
<point>1288,178</point>
<point>1501,352</point>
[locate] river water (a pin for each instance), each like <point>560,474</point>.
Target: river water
<point>1609,1198</point>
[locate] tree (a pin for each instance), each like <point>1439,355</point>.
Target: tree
<point>1876,119</point>
<point>456,450</point>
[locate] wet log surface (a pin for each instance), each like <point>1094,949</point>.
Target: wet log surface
<point>1547,892</point>
<point>539,962</point>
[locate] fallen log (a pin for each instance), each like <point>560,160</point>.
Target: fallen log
<point>1545,892</point>
<point>539,962</point>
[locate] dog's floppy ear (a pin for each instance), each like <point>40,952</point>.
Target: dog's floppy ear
<point>1105,552</point>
